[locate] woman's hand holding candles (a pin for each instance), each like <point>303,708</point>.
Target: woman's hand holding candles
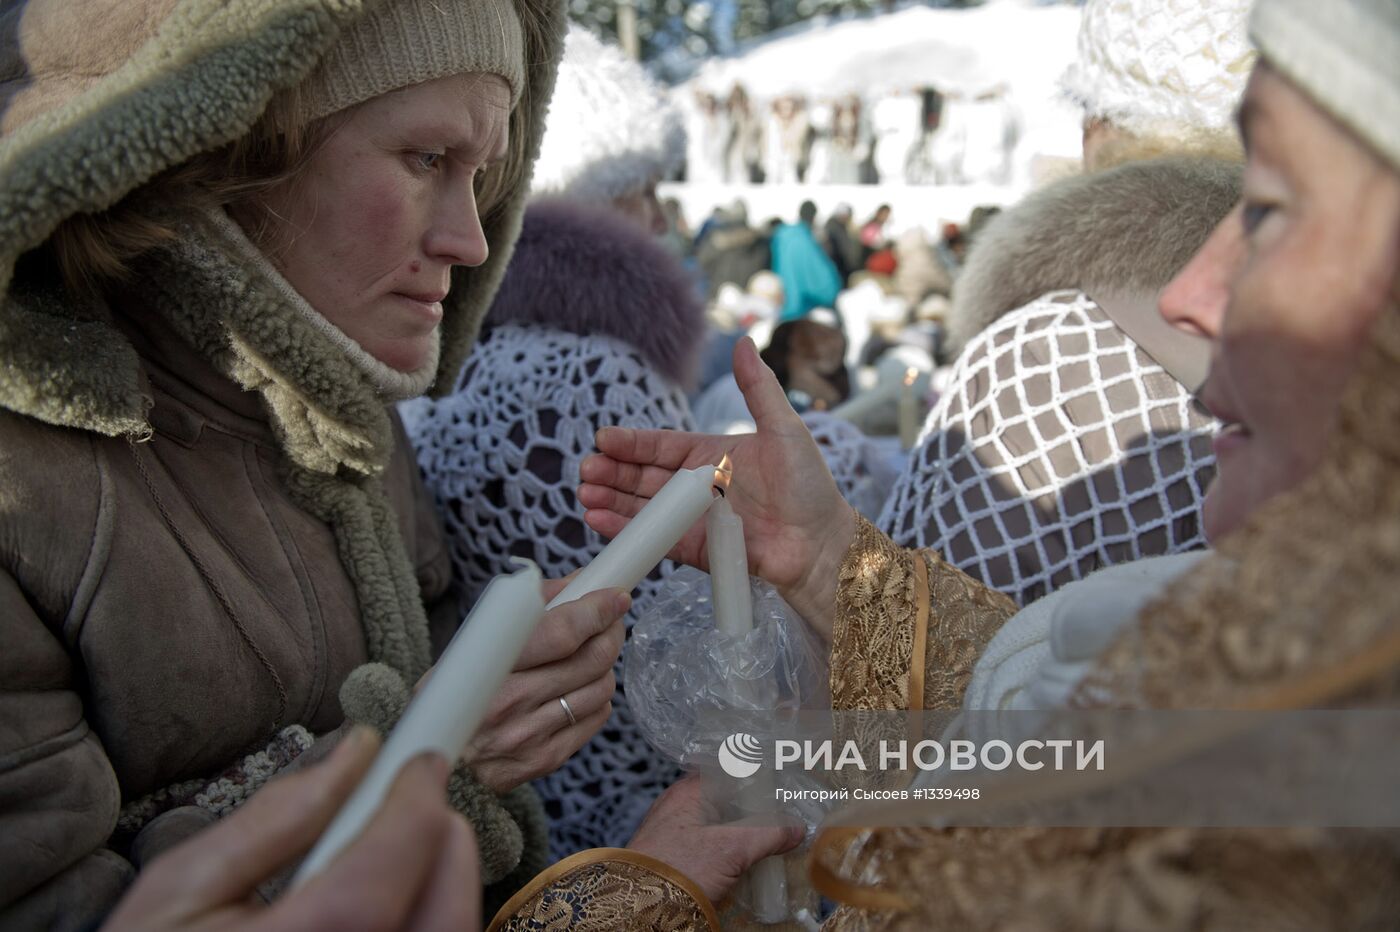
<point>526,732</point>
<point>797,527</point>
<point>500,684</point>
<point>511,718</point>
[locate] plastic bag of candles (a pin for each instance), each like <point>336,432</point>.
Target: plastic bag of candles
<point>680,664</point>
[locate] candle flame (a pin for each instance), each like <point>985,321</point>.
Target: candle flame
<point>724,473</point>
<point>911,375</point>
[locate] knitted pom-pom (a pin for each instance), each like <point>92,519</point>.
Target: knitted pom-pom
<point>526,808</point>
<point>499,840</point>
<point>374,694</point>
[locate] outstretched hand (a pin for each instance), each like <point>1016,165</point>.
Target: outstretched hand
<point>797,527</point>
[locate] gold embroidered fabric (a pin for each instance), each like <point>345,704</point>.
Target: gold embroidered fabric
<point>876,610</point>
<point>1284,607</point>
<point>1146,880</point>
<point>606,890</point>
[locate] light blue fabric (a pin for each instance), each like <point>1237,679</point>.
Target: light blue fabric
<point>810,279</point>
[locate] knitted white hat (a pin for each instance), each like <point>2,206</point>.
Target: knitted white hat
<point>1345,55</point>
<point>1162,68</point>
<point>611,129</point>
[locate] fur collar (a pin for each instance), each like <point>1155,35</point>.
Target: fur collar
<point>93,109</point>
<point>588,270</point>
<point>213,287</point>
<point>1126,230</point>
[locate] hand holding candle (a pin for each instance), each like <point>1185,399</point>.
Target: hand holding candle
<point>648,537</point>
<point>797,526</point>
<point>450,706</point>
<point>733,602</point>
<point>455,698</point>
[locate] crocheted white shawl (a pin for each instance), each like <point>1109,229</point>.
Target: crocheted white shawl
<point>501,455</point>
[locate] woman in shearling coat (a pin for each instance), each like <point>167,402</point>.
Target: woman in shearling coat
<point>210,522</point>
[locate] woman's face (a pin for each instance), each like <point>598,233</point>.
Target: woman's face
<point>369,233</point>
<point>1287,288</point>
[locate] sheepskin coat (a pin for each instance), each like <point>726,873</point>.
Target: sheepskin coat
<point>209,518</point>
<point>595,324</point>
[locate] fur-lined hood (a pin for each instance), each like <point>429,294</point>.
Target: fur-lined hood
<point>589,270</point>
<point>1126,230</point>
<point>100,96</point>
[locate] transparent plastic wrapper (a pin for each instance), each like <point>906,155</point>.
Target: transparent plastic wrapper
<point>679,665</point>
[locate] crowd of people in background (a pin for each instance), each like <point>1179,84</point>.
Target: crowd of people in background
<point>875,289</point>
<point>920,136</point>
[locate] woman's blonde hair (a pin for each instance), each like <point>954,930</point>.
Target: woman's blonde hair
<point>93,250</point>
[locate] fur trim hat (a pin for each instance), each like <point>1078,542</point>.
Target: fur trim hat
<point>611,129</point>
<point>1345,55</point>
<point>586,269</point>
<point>1162,68</point>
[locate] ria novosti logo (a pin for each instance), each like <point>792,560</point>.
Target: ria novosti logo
<point>740,755</point>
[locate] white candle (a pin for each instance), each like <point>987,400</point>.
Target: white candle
<point>733,601</point>
<point>648,537</point>
<point>449,707</point>
<point>910,411</point>
<point>729,570</point>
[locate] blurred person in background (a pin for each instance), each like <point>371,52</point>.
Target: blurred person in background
<point>840,242</point>
<point>919,271</point>
<point>707,135</point>
<point>743,151</point>
<point>1067,438</point>
<point>872,232</point>
<point>810,279</point>
<point>852,141</point>
<point>789,141</point>
<point>729,251</point>
<point>677,239</point>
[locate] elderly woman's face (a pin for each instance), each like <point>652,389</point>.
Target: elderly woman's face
<point>370,232</point>
<point>1287,287</point>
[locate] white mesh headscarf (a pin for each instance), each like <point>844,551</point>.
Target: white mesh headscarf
<point>1168,68</point>
<point>1060,447</point>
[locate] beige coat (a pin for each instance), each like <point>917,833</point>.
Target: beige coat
<point>208,516</point>
<point>166,608</point>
